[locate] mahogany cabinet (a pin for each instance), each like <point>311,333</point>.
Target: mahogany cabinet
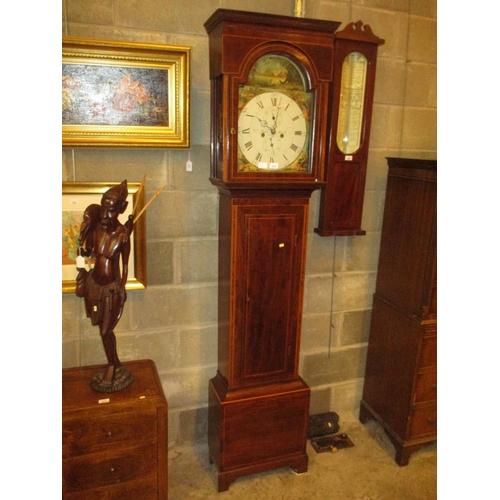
<point>114,445</point>
<point>400,387</point>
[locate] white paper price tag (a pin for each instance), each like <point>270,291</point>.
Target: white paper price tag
<point>80,262</point>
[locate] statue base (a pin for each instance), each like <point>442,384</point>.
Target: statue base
<point>122,379</point>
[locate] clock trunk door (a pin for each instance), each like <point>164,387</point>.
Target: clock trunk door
<point>270,260</point>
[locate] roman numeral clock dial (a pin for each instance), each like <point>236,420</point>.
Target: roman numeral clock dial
<point>272,131</point>
<point>275,115</point>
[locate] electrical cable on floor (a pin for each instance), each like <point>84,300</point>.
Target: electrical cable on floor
<point>331,326</point>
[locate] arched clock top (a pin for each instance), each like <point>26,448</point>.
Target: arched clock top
<point>233,35</point>
<point>254,62</point>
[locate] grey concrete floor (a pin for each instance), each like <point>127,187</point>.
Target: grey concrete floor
<point>366,471</point>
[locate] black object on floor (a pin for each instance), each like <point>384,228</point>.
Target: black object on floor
<point>323,424</point>
<point>331,443</point>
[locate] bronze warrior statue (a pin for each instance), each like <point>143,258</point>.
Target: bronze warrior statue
<point>105,238</point>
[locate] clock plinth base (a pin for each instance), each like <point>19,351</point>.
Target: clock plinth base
<point>256,429</point>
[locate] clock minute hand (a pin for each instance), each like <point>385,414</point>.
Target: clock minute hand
<point>275,118</point>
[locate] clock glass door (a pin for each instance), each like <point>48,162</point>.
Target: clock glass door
<point>274,118</point>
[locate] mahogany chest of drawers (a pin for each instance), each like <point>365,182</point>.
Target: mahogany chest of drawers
<point>400,388</point>
<point>114,445</point>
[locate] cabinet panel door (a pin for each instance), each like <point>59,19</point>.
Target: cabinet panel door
<point>407,246</point>
<point>270,239</point>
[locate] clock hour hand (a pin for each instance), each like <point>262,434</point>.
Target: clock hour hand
<point>263,123</point>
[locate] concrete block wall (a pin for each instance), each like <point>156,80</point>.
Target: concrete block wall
<point>174,321</point>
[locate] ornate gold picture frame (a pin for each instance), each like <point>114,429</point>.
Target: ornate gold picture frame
<point>122,94</point>
<point>76,197</point>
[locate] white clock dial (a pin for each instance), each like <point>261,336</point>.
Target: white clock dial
<point>272,131</point>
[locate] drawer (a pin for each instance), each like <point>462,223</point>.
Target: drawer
<point>82,436</point>
<point>426,387</point>
<point>424,421</point>
<point>143,489</point>
<point>102,469</point>
<point>428,353</point>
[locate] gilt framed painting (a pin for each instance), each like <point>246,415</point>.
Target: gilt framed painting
<point>124,94</point>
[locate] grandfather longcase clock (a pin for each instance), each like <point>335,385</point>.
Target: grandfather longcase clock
<point>270,89</point>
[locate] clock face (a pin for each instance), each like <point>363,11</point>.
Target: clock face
<point>272,131</point>
<point>274,122</point>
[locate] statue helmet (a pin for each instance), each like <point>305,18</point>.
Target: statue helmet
<point>118,193</point>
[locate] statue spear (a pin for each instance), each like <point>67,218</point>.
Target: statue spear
<point>148,203</point>
<point>138,194</point>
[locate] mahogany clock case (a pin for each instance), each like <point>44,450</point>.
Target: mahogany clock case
<point>258,404</point>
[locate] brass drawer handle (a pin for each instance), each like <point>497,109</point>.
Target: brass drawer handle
<point>109,434</point>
